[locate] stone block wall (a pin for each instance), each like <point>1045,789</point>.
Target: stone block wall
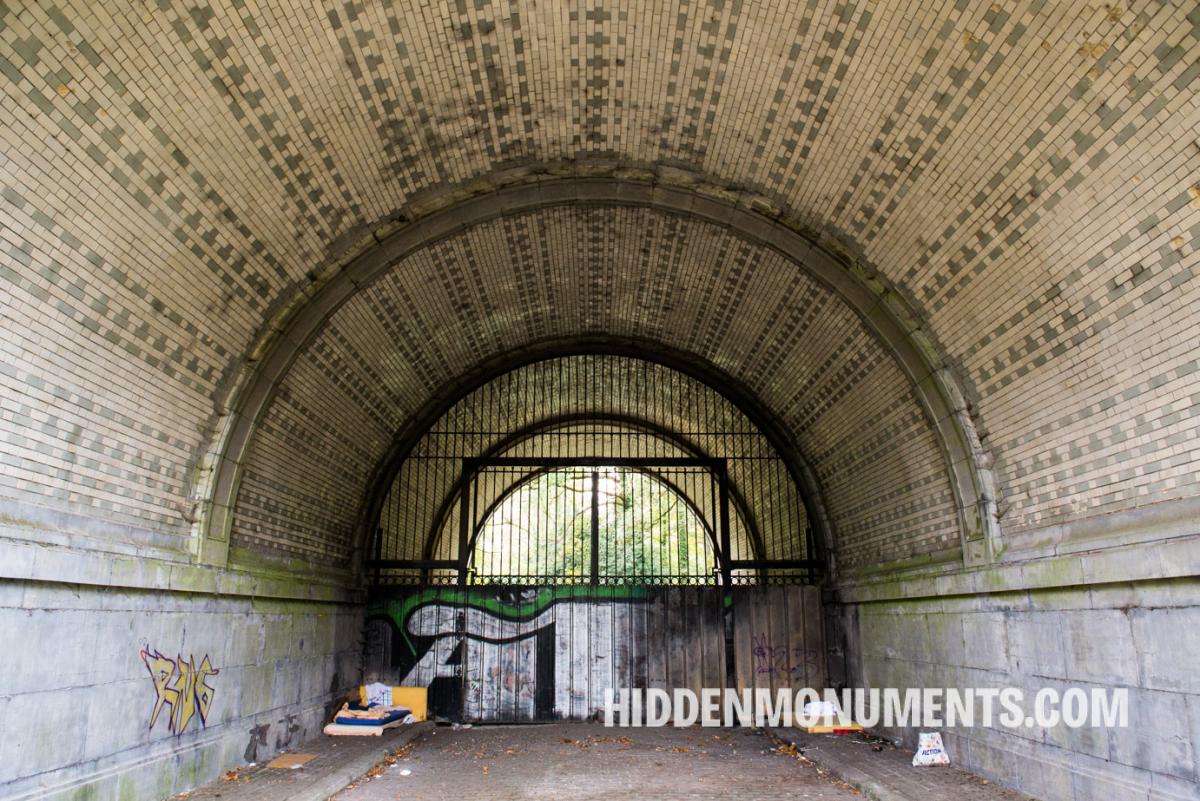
<point>1140,635</point>
<point>78,692</point>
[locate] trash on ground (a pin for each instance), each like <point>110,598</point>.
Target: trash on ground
<point>824,717</point>
<point>930,750</point>
<point>369,719</point>
<point>414,699</point>
<point>291,761</point>
<point>831,725</point>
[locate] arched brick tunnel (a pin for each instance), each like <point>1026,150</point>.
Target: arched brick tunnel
<point>941,259</point>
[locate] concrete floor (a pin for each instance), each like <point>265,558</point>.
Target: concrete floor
<point>582,761</point>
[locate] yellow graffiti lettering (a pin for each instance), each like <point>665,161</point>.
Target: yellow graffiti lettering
<point>185,685</point>
<point>161,670</point>
<point>204,693</point>
<point>180,685</point>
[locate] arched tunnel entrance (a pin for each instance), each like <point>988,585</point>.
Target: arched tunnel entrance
<point>547,347</point>
<point>584,523</point>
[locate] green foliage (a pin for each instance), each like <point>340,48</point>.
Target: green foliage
<point>646,529</point>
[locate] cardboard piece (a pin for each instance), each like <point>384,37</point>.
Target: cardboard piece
<point>831,726</point>
<point>291,761</point>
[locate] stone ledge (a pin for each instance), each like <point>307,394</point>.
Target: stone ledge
<point>24,560</point>
<point>1099,551</point>
<point>1155,522</point>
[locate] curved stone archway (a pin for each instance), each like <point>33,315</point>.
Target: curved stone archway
<point>877,309</point>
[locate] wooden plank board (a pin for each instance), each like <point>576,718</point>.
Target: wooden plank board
<point>580,672</point>
<point>445,616</point>
<point>481,665</point>
<point>711,636</point>
<point>676,653</point>
<point>742,644</point>
<point>562,659</point>
<point>781,656</point>
<point>698,643</point>
<point>796,640</point>
<point>639,646</point>
<point>694,644</point>
<point>293,761</point>
<point>656,642</point>
<point>814,635</point>
<point>716,638</point>
<point>621,630</point>
<point>832,728</point>
<point>600,661</point>
<point>760,631</point>
<point>693,652</point>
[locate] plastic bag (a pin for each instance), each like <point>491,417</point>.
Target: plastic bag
<point>820,709</point>
<point>378,693</point>
<point>930,750</point>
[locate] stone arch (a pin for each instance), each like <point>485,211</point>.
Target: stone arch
<point>882,311</point>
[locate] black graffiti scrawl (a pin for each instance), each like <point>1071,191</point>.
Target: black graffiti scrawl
<point>496,653</point>
<point>544,653</point>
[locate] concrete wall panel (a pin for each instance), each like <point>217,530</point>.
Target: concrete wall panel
<point>76,695</point>
<point>1070,637</point>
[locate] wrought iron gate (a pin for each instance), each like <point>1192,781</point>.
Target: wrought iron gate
<point>586,523</point>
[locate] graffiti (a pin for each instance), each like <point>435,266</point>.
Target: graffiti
<point>505,654</point>
<point>507,648</point>
<point>779,660</point>
<point>513,605</point>
<point>181,685</point>
<point>542,653</point>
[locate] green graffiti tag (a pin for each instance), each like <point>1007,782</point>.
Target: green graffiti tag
<point>530,604</point>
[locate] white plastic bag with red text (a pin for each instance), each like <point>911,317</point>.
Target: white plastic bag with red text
<point>930,750</point>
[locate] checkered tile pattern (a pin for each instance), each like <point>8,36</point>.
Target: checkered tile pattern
<point>175,175</point>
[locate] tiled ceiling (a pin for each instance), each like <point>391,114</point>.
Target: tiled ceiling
<point>177,179</point>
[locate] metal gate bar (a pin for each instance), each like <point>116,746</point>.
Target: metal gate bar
<point>471,518</point>
<point>595,411</point>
